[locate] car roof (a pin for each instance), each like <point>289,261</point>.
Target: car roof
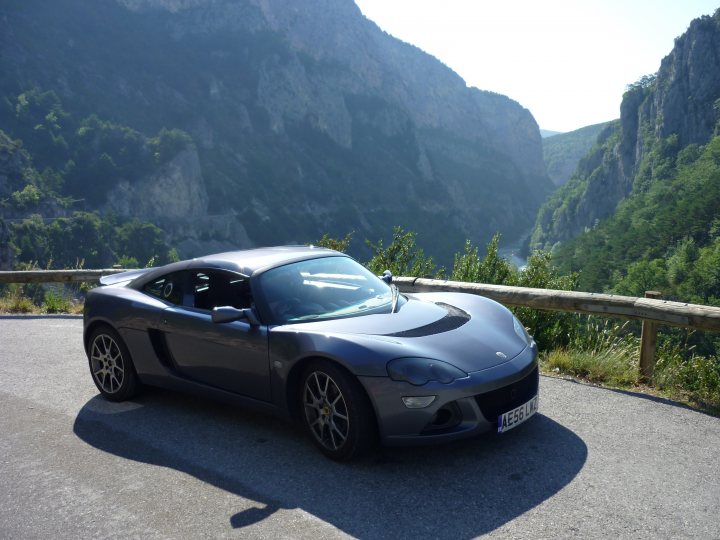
<point>246,262</point>
<point>255,260</point>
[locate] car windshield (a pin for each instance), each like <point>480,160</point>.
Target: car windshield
<point>324,288</point>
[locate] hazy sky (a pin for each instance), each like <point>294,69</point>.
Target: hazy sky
<point>568,61</point>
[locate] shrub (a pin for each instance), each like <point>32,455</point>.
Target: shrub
<point>682,374</point>
<point>56,303</point>
<point>402,257</point>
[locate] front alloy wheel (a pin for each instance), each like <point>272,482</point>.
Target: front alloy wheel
<point>111,366</point>
<point>326,411</point>
<point>336,411</point>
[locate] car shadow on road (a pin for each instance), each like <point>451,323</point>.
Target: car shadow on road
<point>460,490</point>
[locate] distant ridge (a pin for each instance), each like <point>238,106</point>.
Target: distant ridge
<point>563,152</point>
<point>546,133</point>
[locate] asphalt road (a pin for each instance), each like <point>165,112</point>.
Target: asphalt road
<point>594,463</point>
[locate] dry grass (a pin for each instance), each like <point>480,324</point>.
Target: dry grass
<point>17,302</point>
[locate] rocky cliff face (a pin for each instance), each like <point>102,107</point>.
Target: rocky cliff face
<point>679,104</point>
<point>432,95</point>
<point>688,86</point>
<point>175,192</point>
<point>306,117</point>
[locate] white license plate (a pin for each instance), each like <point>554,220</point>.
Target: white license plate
<point>518,415</point>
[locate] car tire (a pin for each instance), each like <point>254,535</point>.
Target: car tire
<point>336,412</point>
<point>111,366</point>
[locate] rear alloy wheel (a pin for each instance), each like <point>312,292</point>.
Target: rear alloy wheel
<point>336,411</point>
<point>110,365</point>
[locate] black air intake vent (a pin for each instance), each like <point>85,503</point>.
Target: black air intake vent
<point>454,319</point>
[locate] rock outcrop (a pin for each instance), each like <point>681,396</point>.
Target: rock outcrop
<point>175,192</point>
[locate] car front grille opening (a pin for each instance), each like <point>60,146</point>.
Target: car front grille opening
<point>445,419</point>
<point>492,404</point>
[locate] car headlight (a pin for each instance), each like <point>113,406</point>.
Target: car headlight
<point>419,371</point>
<point>520,331</point>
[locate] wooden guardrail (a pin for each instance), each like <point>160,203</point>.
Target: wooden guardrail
<point>651,310</point>
<point>628,307</point>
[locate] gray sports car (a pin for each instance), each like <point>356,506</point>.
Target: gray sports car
<point>312,335</point>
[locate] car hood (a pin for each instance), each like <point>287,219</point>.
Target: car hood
<point>471,332</point>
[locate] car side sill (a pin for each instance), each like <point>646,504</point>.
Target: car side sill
<point>190,387</point>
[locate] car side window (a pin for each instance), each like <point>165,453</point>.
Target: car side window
<point>168,288</point>
<point>214,289</point>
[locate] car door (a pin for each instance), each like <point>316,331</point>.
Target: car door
<point>231,356</point>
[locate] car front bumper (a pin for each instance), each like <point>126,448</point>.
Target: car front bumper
<point>463,408</point>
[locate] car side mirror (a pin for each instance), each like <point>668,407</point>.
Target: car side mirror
<point>387,277</point>
<point>226,314</point>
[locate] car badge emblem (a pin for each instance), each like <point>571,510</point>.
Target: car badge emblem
<point>501,354</point>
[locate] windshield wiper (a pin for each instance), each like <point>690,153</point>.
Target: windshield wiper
<point>395,296</point>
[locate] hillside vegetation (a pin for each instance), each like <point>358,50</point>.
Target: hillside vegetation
<point>43,219</point>
<point>665,236</point>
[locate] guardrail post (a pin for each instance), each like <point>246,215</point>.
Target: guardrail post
<point>648,340</point>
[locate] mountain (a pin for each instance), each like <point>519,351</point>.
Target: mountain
<point>547,133</point>
<point>643,208</point>
<point>677,106</point>
<point>281,121</point>
<point>563,151</point>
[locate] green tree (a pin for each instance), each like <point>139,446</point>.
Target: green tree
<point>643,276</point>
<point>168,143</point>
<point>142,241</point>
<point>551,329</point>
<point>340,244</point>
<point>402,256</point>
<point>43,126</point>
<point>27,198</point>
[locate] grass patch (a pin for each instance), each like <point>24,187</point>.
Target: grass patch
<point>17,300</point>
<point>693,381</point>
<point>607,354</point>
<point>610,368</point>
<point>601,352</point>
